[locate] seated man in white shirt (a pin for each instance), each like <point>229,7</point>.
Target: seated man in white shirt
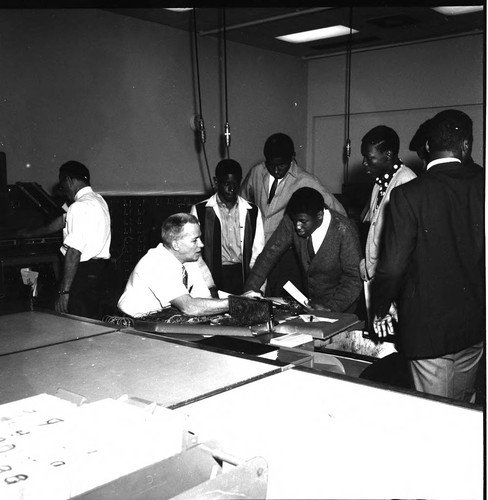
<point>170,275</point>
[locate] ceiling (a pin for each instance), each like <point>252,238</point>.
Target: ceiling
<point>258,26</point>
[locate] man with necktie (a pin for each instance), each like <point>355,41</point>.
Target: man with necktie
<point>171,274</point>
<point>269,185</point>
<point>328,250</point>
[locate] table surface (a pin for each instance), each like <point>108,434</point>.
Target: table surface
<point>33,329</point>
<point>326,437</point>
<point>123,363</point>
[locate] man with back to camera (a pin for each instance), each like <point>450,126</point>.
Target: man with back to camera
<point>432,264</point>
<point>419,139</point>
<point>379,148</point>
<point>232,229</point>
<point>269,185</point>
<point>328,249</point>
<point>170,275</point>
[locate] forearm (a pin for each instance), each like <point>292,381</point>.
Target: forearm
<point>277,245</point>
<point>54,226</point>
<point>196,306</point>
<point>70,267</point>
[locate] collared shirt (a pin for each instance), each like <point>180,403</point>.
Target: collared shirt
<point>256,187</point>
<point>87,226</point>
<point>156,280</point>
<point>318,235</point>
<point>442,160</point>
<point>230,233</point>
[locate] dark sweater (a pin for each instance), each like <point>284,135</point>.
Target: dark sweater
<point>332,277</point>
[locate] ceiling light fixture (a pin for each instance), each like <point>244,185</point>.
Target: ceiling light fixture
<point>456,11</point>
<point>184,9</point>
<point>318,34</point>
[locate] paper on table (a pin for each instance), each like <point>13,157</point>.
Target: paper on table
<point>310,318</point>
<point>296,294</point>
<point>292,340</point>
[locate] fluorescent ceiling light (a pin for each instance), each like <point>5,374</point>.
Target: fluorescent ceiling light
<point>179,10</point>
<point>319,34</point>
<point>456,11</point>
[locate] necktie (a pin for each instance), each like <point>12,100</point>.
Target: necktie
<point>273,190</point>
<point>184,276</point>
<point>311,251</point>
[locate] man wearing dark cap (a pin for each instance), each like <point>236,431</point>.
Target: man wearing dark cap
<point>270,184</point>
<point>232,229</point>
<point>417,143</point>
<point>432,264</point>
<point>328,250</point>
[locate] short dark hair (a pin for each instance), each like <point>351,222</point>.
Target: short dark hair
<point>383,138</point>
<point>173,226</point>
<point>448,129</point>
<point>305,200</point>
<point>279,146</point>
<point>228,167</point>
<point>74,170</point>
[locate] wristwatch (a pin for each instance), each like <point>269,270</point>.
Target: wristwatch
<point>63,292</point>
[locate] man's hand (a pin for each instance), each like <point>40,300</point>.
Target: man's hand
<point>252,294</point>
<point>384,326</point>
<point>318,307</point>
<point>61,303</point>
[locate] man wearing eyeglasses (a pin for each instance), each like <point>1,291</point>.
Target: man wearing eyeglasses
<point>269,185</point>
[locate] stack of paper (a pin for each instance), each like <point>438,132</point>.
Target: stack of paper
<point>292,340</point>
<point>51,448</point>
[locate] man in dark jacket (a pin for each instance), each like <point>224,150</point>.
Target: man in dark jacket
<point>433,264</point>
<point>328,250</point>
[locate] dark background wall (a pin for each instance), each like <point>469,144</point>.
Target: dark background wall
<point>118,94</point>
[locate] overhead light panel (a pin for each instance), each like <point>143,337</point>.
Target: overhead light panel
<point>318,34</point>
<point>456,11</point>
<point>184,9</point>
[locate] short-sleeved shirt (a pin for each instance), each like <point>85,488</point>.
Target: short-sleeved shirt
<point>156,280</point>
<point>87,226</point>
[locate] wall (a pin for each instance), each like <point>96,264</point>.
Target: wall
<point>117,94</point>
<point>400,87</point>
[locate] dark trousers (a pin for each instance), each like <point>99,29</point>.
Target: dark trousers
<point>232,280</point>
<point>89,280</point>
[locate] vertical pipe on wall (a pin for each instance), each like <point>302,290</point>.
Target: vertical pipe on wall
<point>200,125</point>
<point>347,147</point>
<point>227,126</point>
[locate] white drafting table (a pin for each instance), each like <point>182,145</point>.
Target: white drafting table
<point>121,363</point>
<point>32,329</point>
<point>326,437</point>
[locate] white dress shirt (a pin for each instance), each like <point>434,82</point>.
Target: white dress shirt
<point>87,226</point>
